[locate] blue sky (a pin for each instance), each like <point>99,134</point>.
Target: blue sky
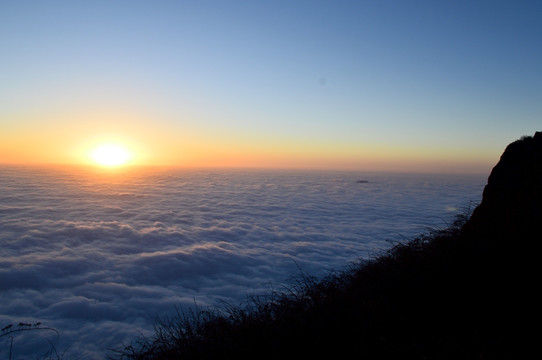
<point>460,79</point>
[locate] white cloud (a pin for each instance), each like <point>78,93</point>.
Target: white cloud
<point>98,259</point>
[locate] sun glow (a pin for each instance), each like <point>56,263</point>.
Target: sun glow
<point>111,155</point>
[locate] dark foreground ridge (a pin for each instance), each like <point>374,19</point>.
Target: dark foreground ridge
<point>464,292</point>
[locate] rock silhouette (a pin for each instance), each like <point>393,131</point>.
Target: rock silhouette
<point>512,200</point>
<point>496,250</point>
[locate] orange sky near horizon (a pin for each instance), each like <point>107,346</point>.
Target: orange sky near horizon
<point>56,142</point>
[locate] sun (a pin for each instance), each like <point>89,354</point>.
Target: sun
<point>111,155</point>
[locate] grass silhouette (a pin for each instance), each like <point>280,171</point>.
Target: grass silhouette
<point>10,331</point>
<point>437,296</point>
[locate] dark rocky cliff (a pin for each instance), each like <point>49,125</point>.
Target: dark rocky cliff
<point>497,252</point>
<point>511,206</point>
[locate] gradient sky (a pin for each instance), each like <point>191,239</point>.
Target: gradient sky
<point>440,86</point>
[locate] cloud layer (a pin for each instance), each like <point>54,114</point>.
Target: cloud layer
<point>98,255</point>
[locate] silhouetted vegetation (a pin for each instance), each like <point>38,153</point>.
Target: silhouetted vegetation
<point>11,330</point>
<point>426,298</point>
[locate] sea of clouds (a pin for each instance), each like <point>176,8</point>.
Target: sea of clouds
<point>98,254</point>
